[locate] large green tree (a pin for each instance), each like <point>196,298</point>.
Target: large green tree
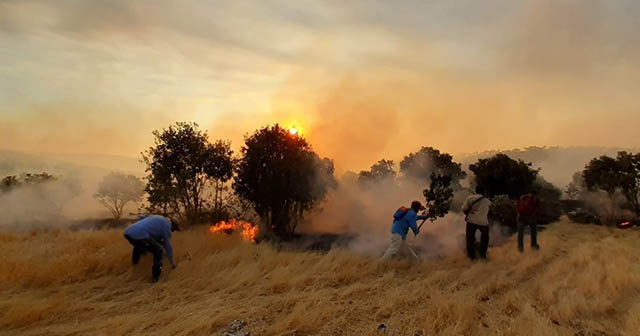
<point>116,190</point>
<point>182,166</point>
<point>502,175</point>
<point>616,174</point>
<point>602,173</point>
<point>422,164</point>
<point>282,177</point>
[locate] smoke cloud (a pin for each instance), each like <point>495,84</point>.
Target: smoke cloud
<point>362,81</point>
<point>371,82</point>
<point>66,201</point>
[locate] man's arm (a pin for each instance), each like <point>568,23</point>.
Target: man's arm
<point>465,206</point>
<point>168,248</point>
<point>411,218</point>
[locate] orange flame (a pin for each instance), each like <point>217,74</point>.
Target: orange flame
<point>249,231</point>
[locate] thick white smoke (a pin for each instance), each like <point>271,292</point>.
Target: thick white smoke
<point>366,213</point>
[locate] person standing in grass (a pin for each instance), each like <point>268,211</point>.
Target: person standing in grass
<point>152,234</point>
<point>527,208</point>
<point>403,220</point>
<point>476,210</point>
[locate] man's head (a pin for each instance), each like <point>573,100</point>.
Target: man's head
<point>174,225</point>
<point>417,206</point>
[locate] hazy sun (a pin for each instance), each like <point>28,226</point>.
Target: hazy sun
<point>293,131</point>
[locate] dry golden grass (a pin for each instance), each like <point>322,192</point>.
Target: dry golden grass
<point>584,279</point>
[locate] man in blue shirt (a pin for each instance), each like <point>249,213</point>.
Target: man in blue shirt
<point>152,234</point>
<point>403,220</point>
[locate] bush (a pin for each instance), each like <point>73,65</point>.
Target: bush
<point>503,210</point>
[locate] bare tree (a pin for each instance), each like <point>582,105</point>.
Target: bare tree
<point>118,189</point>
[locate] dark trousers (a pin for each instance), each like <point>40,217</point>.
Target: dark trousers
<point>530,221</point>
<point>471,240</point>
<point>144,246</point>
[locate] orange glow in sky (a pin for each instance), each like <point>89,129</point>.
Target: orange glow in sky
<point>294,129</point>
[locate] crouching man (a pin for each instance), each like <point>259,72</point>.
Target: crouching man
<point>152,234</point>
<point>403,219</point>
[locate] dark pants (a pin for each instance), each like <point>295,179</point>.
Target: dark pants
<point>530,221</point>
<point>471,240</point>
<point>141,247</point>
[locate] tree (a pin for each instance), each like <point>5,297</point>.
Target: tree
<point>181,166</point>
<point>619,174</point>
<point>439,196</point>
<point>503,211</point>
<point>282,177</point>
<point>603,173</point>
<point>549,206</point>
<point>501,175</point>
<point>630,178</point>
<point>427,161</point>
<point>11,182</point>
<point>222,172</point>
<point>380,171</point>
<point>8,183</point>
<point>118,189</point>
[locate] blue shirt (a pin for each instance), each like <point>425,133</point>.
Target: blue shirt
<point>402,221</point>
<point>156,227</point>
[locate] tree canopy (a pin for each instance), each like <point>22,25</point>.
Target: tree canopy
<point>181,166</point>
<point>282,177</point>
<point>612,174</point>
<point>422,164</point>
<point>380,171</point>
<point>439,196</point>
<point>11,182</point>
<point>502,175</point>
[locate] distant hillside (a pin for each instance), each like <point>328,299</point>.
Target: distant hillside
<point>558,164</point>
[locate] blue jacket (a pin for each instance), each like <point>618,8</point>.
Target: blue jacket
<point>402,221</point>
<point>156,227</point>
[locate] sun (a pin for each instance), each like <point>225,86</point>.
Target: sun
<point>293,130</point>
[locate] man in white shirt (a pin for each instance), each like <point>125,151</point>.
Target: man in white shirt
<point>476,208</point>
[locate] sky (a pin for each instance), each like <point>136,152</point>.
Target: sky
<point>362,80</point>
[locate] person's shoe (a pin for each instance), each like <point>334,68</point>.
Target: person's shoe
<point>535,247</point>
<point>520,249</point>
<point>155,279</point>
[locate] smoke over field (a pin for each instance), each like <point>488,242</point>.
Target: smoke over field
<point>366,214</point>
<point>66,198</point>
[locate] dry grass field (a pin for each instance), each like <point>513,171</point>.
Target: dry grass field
<point>584,281</point>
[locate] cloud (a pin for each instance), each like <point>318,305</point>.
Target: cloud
<point>67,129</point>
<point>365,80</point>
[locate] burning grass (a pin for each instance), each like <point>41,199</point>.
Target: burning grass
<point>585,278</point>
<point>247,230</point>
